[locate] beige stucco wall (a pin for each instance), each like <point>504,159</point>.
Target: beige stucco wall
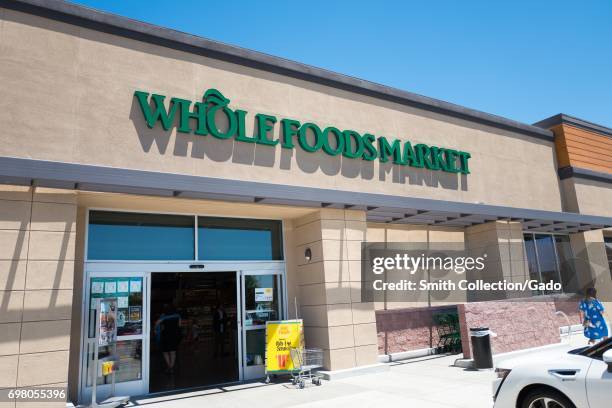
<point>411,233</point>
<point>327,287</point>
<point>37,257</point>
<point>593,197</point>
<point>501,241</point>
<point>68,96</point>
<point>502,244</point>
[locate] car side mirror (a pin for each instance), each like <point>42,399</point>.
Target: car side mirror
<point>607,358</point>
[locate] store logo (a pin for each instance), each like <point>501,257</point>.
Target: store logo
<point>214,116</point>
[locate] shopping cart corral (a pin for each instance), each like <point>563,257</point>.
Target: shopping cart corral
<point>304,361</point>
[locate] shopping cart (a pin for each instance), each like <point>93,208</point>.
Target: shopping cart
<point>305,360</point>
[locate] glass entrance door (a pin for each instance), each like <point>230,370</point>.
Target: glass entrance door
<point>261,302</point>
<point>227,329</point>
<point>130,290</point>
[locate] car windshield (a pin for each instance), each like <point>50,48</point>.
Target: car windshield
<point>597,350</point>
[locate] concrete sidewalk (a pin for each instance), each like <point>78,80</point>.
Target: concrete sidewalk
<point>429,382</point>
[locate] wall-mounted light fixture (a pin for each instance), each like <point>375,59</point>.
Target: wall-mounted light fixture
<point>307,254</point>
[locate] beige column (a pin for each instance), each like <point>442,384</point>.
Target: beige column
<point>592,265</point>
<point>329,287</point>
<point>502,242</point>
<point>37,238</point>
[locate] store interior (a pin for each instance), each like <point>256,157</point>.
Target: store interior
<point>194,337</point>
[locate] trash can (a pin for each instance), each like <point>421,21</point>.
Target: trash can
<point>481,347</point>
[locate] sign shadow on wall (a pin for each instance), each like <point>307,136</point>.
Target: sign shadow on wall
<point>158,140</point>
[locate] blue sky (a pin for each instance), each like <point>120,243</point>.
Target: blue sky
<point>525,60</point>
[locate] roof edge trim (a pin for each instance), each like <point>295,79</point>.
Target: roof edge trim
<point>563,119</point>
<point>577,172</point>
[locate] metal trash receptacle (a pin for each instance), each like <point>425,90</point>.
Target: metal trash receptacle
<point>481,347</point>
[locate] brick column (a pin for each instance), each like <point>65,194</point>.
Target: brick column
<point>329,287</point>
<point>37,246</point>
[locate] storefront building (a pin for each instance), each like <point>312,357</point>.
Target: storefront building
<point>178,172</point>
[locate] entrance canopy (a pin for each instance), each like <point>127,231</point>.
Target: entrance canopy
<point>378,207</point>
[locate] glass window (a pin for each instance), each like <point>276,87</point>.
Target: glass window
<point>532,259</point>
<point>133,236</point>
<point>128,292</point>
<point>547,259</point>
<point>255,347</point>
<point>260,299</point>
<point>223,239</point>
<point>569,277</point>
<point>129,353</point>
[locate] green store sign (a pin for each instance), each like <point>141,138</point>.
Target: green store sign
<point>200,118</point>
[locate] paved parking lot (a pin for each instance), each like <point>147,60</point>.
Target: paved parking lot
<point>429,382</point>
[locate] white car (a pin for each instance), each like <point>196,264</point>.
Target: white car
<point>580,378</point>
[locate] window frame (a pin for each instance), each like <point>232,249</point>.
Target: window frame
<point>556,254</point>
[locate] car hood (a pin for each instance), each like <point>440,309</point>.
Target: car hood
<point>557,355</point>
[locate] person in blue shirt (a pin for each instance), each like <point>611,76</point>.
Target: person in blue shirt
<point>592,315</point>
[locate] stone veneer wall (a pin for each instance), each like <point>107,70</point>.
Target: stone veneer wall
<point>570,308</point>
<point>407,329</point>
<point>37,251</point>
<point>412,329</point>
<point>518,325</point>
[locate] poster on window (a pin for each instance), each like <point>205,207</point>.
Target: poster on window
<point>97,287</point>
<point>110,287</point>
<point>122,302</point>
<point>264,294</point>
<point>135,286</point>
<point>135,314</point>
<point>107,322</point>
<point>121,318</point>
<point>123,286</point>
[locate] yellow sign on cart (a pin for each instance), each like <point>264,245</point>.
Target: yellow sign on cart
<point>281,337</point>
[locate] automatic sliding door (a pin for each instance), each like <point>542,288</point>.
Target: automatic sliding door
<point>261,302</point>
<point>193,330</point>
